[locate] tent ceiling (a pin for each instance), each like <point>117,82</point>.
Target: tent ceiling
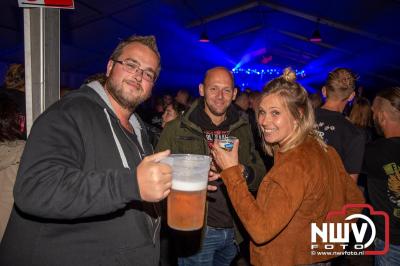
<point>360,34</point>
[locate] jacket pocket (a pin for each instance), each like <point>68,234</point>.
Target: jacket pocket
<point>189,144</point>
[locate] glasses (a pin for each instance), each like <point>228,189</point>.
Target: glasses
<point>134,68</point>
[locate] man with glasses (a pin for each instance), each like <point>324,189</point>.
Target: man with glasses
<point>87,187</point>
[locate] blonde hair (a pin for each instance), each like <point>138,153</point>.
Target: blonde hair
<point>361,113</point>
<point>295,98</point>
<point>340,84</point>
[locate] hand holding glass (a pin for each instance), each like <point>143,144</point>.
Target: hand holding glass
<point>186,202</point>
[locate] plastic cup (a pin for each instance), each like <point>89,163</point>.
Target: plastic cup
<point>187,200</point>
<point>227,143</point>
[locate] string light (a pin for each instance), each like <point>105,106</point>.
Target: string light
<point>256,78</point>
<point>274,72</point>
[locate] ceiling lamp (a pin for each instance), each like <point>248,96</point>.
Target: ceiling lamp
<point>204,37</point>
<point>316,36</point>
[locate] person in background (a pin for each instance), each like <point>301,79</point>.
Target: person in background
<point>361,116</point>
<point>334,127</point>
<point>88,185</point>
<point>254,98</point>
<point>14,84</point>
<point>155,118</point>
<point>316,100</point>
<point>242,103</point>
<point>11,148</point>
<point>213,117</point>
<point>306,181</point>
<point>382,166</point>
<point>100,77</point>
<point>172,111</point>
<point>167,99</point>
<point>183,97</point>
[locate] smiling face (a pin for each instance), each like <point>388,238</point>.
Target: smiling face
<point>168,115</point>
<point>275,120</point>
<point>218,91</point>
<point>127,89</point>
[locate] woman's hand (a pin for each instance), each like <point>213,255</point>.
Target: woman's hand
<point>223,158</point>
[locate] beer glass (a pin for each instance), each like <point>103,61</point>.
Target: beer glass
<point>186,202</point>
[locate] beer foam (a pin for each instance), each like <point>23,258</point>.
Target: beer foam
<point>188,186</point>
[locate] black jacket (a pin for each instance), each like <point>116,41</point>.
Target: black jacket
<point>75,202</point>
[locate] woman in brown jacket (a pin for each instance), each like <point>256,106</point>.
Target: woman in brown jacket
<point>306,182</point>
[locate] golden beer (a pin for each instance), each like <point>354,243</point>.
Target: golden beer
<point>186,209</point>
<point>187,199</point>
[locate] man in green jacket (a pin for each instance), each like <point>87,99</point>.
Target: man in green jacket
<point>213,117</point>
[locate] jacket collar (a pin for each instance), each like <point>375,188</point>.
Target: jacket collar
<point>199,103</point>
<point>134,119</point>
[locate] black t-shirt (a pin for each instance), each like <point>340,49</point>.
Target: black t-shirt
<point>382,165</point>
<point>218,212</point>
<point>346,138</point>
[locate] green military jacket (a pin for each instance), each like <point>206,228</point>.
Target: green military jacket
<point>183,136</point>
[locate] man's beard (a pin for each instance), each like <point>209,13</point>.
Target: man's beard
<point>117,93</point>
<point>378,127</point>
<point>214,111</point>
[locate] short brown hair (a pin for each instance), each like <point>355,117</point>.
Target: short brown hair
<point>149,41</point>
<point>341,82</point>
<point>100,77</point>
<point>15,77</point>
<point>389,100</point>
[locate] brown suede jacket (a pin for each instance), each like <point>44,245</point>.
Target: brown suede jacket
<point>304,184</point>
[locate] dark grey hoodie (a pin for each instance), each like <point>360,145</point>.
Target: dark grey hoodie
<point>77,200</point>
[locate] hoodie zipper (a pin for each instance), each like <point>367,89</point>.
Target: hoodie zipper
<point>124,162</point>
<point>156,222</point>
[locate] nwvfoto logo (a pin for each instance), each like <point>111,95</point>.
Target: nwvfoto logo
<point>338,234</point>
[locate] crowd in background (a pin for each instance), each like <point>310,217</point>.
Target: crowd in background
<point>355,113</point>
